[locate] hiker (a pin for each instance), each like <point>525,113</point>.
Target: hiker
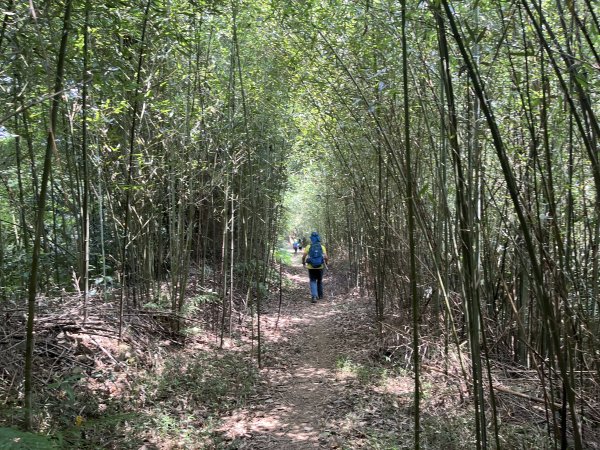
<point>303,242</point>
<point>295,245</point>
<point>315,258</point>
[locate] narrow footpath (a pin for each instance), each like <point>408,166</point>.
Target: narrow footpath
<point>314,381</point>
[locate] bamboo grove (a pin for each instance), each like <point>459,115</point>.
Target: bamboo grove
<point>162,156</point>
<point>478,158</point>
<point>452,150</point>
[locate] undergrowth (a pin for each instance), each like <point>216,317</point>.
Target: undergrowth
<point>377,416</point>
<point>174,405</point>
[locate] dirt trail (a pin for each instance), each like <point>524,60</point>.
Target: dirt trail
<point>303,390</point>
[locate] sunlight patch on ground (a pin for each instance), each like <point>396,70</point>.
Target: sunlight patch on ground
<point>243,423</point>
<point>268,426</point>
<point>310,374</point>
<point>297,278</point>
<point>395,386</point>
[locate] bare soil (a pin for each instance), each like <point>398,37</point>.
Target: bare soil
<point>311,375</point>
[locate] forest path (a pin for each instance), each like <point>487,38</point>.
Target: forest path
<point>305,399</point>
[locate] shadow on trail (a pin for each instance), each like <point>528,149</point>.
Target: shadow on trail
<point>298,405</point>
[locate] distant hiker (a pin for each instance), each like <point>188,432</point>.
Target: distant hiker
<point>296,245</point>
<point>303,242</point>
<point>315,258</point>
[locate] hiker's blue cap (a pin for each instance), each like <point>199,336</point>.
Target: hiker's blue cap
<point>314,237</point>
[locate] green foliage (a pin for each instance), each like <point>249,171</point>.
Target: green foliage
<point>98,431</point>
<point>305,208</point>
<point>283,256</point>
<point>201,300</point>
<point>215,383</point>
<point>161,302</point>
<point>382,441</point>
<point>152,305</point>
<point>262,289</point>
<point>182,400</point>
<point>254,267</point>
<point>12,439</point>
<point>231,112</point>
<point>258,268</point>
<point>366,374</point>
<point>65,387</point>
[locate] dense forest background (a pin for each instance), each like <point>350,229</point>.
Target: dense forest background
<point>448,151</point>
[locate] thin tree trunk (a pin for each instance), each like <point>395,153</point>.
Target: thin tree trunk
<point>410,202</point>
<point>470,289</point>
<point>129,187</point>
<point>543,297</point>
<point>84,160</point>
<point>39,223</point>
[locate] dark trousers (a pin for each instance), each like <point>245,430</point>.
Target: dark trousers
<point>315,277</point>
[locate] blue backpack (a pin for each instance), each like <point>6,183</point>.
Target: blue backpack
<point>315,255</point>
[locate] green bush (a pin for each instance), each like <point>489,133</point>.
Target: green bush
<point>12,439</point>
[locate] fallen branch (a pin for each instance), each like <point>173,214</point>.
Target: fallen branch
<point>496,387</point>
<point>527,397</point>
